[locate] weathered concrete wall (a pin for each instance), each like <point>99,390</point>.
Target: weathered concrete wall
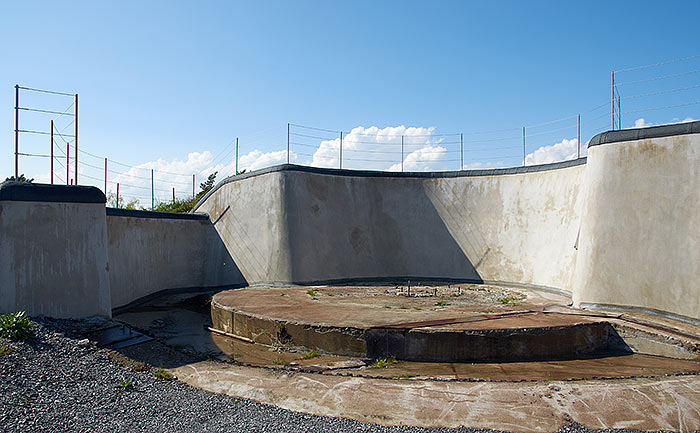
<point>301,225</point>
<point>249,217</point>
<point>53,259</point>
<point>149,252</point>
<point>640,234</point>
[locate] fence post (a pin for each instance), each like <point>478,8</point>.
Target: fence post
<point>105,176</point>
<point>153,198</point>
<point>287,143</point>
<point>117,204</point>
<point>341,150</point>
<point>76,138</point>
<point>236,155</point>
<point>612,103</point>
<point>402,154</point>
<point>578,139</point>
<point>68,163</point>
<point>523,146</point>
<point>461,151</point>
<point>193,190</point>
<point>52,152</point>
<point>16,131</point>
<point>173,195</point>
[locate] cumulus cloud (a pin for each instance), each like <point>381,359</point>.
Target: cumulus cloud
<point>482,165</point>
<point>136,181</point>
<point>565,149</point>
<point>642,123</point>
<point>376,148</point>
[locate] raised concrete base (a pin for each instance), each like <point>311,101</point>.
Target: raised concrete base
<point>463,323</point>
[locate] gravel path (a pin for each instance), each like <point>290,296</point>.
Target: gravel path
<point>56,383</point>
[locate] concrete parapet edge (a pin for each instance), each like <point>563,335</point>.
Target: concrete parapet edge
<point>645,133</point>
<point>40,192</point>
<point>392,174</point>
<point>644,310</point>
<point>134,213</point>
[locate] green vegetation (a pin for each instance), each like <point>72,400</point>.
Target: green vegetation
<point>441,304</point>
<point>507,300</point>
<point>16,326</point>
<point>280,361</point>
<point>403,307</point>
<point>417,308</point>
<point>5,349</point>
<point>387,306</point>
<point>407,376</point>
<point>162,373</point>
<point>312,293</point>
<point>21,178</point>
<point>382,363</point>
<point>311,355</point>
<point>123,384</point>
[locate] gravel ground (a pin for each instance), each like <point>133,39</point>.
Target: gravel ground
<point>56,383</point>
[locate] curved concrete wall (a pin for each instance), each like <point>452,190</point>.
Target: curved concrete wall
<point>640,234</point>
<point>149,252</point>
<point>295,224</point>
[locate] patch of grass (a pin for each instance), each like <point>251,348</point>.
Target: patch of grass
<point>312,293</point>
<point>403,307</point>
<point>507,300</point>
<point>311,354</point>
<point>280,361</point>
<point>455,295</point>
<point>5,349</point>
<point>441,303</point>
<point>407,376</point>
<point>16,326</point>
<point>382,363</point>
<point>162,373</point>
<point>417,308</point>
<point>387,306</point>
<point>123,384</point>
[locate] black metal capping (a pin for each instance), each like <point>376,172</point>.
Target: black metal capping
<point>644,133</point>
<point>393,174</point>
<point>133,213</point>
<point>41,192</point>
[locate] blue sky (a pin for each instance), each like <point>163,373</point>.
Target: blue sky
<point>168,85</point>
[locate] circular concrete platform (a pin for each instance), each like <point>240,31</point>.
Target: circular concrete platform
<point>436,323</point>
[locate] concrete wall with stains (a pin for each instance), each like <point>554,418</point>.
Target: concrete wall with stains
<point>149,252</point>
<point>295,224</point>
<point>53,259</point>
<point>640,234</point>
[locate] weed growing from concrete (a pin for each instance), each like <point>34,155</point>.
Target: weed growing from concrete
<point>403,307</point>
<point>407,376</point>
<point>123,384</point>
<point>5,349</point>
<point>310,355</point>
<point>382,363</point>
<point>441,304</point>
<point>162,373</point>
<point>16,326</point>
<point>280,361</point>
<point>508,300</point>
<point>387,306</point>
<point>312,293</point>
<point>417,308</point>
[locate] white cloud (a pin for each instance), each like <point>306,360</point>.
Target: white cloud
<point>641,123</point>
<point>482,165</point>
<point>380,149</point>
<point>565,149</point>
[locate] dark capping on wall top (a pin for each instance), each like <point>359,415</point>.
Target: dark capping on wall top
<point>644,133</point>
<point>133,213</point>
<point>25,191</point>
<point>395,174</point>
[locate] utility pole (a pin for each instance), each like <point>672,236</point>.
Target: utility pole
<point>153,198</point>
<point>287,143</point>
<point>117,203</point>
<point>68,163</point>
<point>402,154</point>
<point>236,155</point>
<point>341,150</point>
<point>193,190</point>
<point>461,151</point>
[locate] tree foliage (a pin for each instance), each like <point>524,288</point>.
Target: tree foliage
<point>21,178</point>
